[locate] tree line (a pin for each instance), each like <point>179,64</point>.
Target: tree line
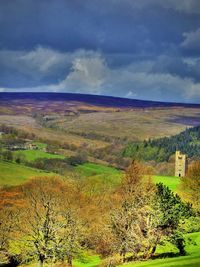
<point>188,142</point>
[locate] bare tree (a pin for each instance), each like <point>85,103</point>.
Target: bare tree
<point>49,226</point>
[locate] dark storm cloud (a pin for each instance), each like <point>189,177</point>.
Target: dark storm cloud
<point>145,49</point>
<point>112,26</point>
<point>191,41</point>
<point>177,66</point>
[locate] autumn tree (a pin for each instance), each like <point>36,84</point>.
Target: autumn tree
<point>146,214</point>
<point>68,242</point>
<point>97,200</point>
<point>190,185</point>
<point>50,227</point>
<point>10,204</point>
<point>131,220</point>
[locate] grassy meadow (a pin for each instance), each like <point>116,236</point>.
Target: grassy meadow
<point>112,175</point>
<point>90,169</point>
<point>84,261</point>
<point>12,174</point>
<point>170,181</point>
<point>101,173</point>
<point>31,155</point>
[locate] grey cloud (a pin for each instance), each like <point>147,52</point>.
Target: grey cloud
<point>41,65</point>
<point>87,74</point>
<point>90,73</point>
<point>178,66</point>
<point>186,6</point>
<point>36,67</point>
<point>192,40</point>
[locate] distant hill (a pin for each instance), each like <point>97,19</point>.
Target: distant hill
<point>96,100</point>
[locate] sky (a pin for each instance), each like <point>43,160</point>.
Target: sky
<point>141,49</point>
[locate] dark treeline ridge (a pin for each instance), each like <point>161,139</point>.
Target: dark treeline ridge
<point>161,149</point>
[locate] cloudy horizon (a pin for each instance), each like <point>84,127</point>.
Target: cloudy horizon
<point>127,48</point>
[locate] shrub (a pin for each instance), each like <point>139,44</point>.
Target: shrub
<point>111,261</point>
<point>190,225</point>
<point>77,159</point>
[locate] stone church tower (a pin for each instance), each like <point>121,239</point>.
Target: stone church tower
<point>180,164</point>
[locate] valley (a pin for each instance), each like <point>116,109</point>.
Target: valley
<point>88,149</point>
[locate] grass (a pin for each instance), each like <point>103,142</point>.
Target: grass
<point>101,173</point>
<point>31,155</point>
<point>89,261</point>
<point>40,145</point>
<point>134,125</point>
<point>12,174</point>
<point>170,181</point>
<point>90,169</point>
<point>112,175</point>
<point>192,259</point>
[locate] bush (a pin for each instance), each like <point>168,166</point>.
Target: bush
<point>190,225</point>
<point>111,261</point>
<point>20,158</point>
<point>60,166</point>
<point>77,159</point>
<point>7,155</point>
<point>178,240</point>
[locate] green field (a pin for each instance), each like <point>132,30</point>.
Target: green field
<point>112,175</point>
<point>90,169</point>
<point>14,174</point>
<point>40,145</point>
<point>31,155</point>
<point>99,172</point>
<point>88,261</point>
<point>170,181</point>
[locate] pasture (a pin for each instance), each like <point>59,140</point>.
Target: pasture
<point>90,169</point>
<point>113,176</point>
<point>170,181</point>
<point>12,174</point>
<point>31,155</point>
<point>102,174</point>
